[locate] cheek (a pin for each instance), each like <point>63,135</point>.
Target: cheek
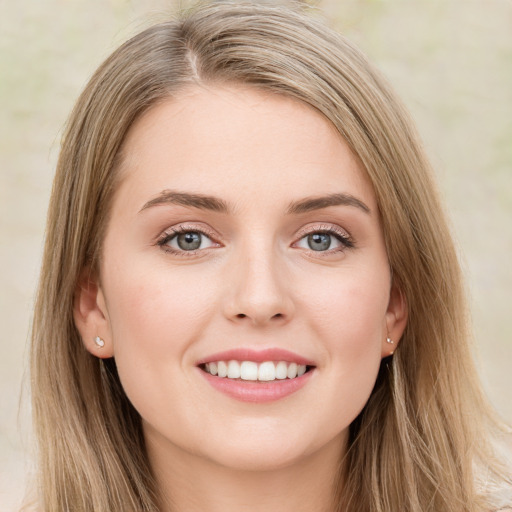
<point>156,308</point>
<point>350,310</point>
<point>349,318</point>
<point>154,317</point>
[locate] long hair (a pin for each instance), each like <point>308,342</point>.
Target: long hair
<point>420,442</point>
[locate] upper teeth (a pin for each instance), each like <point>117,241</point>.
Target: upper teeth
<point>249,370</point>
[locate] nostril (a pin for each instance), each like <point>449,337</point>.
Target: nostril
<point>243,315</point>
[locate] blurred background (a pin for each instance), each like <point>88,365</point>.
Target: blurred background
<point>451,62</point>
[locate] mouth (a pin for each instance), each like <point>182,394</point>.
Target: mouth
<point>265,371</point>
<point>257,375</point>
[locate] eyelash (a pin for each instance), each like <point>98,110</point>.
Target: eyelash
<point>341,235</point>
<point>171,233</point>
<point>328,229</point>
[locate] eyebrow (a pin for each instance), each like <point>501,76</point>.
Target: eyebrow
<point>205,202</point>
<point>200,201</point>
<point>317,203</point>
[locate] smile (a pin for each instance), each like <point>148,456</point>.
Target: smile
<point>265,371</point>
<point>250,375</point>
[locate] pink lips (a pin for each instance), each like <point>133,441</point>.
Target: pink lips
<point>251,391</point>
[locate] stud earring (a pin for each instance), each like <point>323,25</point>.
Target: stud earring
<point>391,342</point>
<point>99,342</point>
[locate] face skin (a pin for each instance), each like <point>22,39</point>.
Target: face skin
<point>254,283</point>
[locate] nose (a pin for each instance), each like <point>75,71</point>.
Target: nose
<point>259,292</point>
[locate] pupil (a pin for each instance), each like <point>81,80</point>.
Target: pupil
<point>319,241</point>
<point>189,241</point>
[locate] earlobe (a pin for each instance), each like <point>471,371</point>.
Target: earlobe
<point>396,320</point>
<point>91,315</point>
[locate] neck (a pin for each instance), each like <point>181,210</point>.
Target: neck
<point>190,483</point>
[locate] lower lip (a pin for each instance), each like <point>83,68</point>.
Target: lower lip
<point>256,391</point>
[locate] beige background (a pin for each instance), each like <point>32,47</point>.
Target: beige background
<point>450,60</point>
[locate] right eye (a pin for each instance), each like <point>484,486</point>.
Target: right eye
<point>183,240</point>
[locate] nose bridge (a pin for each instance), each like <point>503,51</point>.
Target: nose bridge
<point>259,292</point>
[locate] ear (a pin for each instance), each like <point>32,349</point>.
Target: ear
<point>396,320</point>
<point>91,315</point>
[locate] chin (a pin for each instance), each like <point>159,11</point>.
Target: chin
<point>265,450</point>
<point>258,459</point>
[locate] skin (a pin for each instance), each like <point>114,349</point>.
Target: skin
<point>255,282</point>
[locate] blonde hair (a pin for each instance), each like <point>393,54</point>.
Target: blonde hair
<point>420,442</point>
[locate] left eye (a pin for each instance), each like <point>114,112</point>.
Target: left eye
<point>320,241</point>
<point>188,241</point>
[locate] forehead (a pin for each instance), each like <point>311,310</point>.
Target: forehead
<point>229,141</point>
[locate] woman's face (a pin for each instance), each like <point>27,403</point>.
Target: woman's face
<point>244,229</point>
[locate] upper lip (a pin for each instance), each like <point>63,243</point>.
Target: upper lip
<point>258,356</point>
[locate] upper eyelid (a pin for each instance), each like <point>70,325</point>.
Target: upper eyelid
<point>323,227</point>
<point>192,226</point>
<point>186,227</point>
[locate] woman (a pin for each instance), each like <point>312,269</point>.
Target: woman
<point>249,296</point>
